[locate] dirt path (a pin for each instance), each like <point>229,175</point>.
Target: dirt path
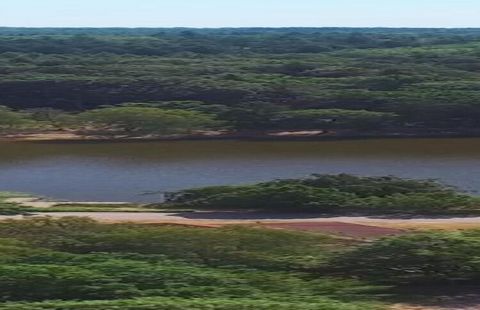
<point>44,136</point>
<point>71,135</point>
<point>459,306</point>
<point>225,218</point>
<point>240,217</point>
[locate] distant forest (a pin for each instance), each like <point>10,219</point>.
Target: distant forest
<point>368,79</point>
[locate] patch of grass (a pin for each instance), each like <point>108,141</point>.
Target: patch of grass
<point>75,263</point>
<point>194,304</point>
<point>13,209</point>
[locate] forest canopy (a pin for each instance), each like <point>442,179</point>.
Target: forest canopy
<point>383,80</point>
<point>75,263</point>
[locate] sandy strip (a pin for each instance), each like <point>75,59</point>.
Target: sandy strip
<point>35,202</point>
<point>44,136</point>
<point>186,218</point>
<point>451,307</point>
<point>32,202</point>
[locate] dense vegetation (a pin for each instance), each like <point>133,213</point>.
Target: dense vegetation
<point>423,258</point>
<point>333,194</point>
<point>347,81</point>
<point>80,264</point>
<point>341,194</point>
<point>169,267</point>
<point>128,121</point>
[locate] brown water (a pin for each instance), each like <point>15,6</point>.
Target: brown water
<point>126,171</point>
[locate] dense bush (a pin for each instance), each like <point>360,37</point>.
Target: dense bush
<point>146,120</point>
<point>76,263</point>
<point>422,258</point>
<point>333,194</point>
<point>199,268</point>
<point>228,246</point>
<point>192,304</point>
<point>12,209</point>
<point>11,120</point>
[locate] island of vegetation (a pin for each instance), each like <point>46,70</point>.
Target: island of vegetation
<point>238,83</point>
<point>328,195</point>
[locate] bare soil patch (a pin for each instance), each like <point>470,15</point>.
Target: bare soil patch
<point>339,228</point>
<point>354,226</point>
<point>43,136</point>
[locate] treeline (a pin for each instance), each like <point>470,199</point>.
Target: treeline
<point>162,42</point>
<point>79,264</point>
<point>183,117</point>
<point>258,79</point>
<point>130,120</point>
<point>334,195</point>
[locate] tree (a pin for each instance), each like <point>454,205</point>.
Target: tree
<point>416,258</point>
<point>12,120</point>
<point>53,117</point>
<point>143,120</point>
<point>334,194</point>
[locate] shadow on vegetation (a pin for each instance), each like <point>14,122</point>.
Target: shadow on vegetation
<point>454,297</point>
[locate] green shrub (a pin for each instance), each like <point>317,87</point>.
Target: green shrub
<point>421,258</point>
<point>332,194</point>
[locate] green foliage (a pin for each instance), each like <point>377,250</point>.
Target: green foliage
<point>75,263</point>
<point>410,81</point>
<point>421,258</point>
<point>226,246</point>
<point>140,267</point>
<point>13,120</point>
<point>167,41</point>
<point>129,119</point>
<point>333,194</point>
<point>41,282</point>
<point>12,209</point>
<point>50,118</point>
<point>195,106</point>
<point>144,120</point>
<point>374,186</point>
<point>9,208</point>
<point>193,304</point>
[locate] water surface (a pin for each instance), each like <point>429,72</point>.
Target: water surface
<point>127,171</point>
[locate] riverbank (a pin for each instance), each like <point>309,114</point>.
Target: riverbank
<point>301,135</point>
<point>351,226</point>
<point>275,220</point>
<point>204,135</point>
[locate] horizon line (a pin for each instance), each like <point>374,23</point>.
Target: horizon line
<point>240,27</point>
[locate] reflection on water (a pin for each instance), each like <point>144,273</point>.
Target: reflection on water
<point>124,171</point>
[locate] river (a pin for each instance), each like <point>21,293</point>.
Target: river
<point>140,171</point>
